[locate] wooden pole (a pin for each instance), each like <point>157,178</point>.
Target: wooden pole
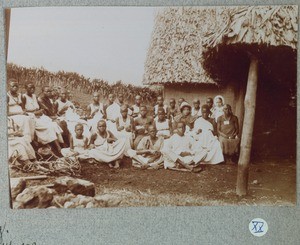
<point>248,124</point>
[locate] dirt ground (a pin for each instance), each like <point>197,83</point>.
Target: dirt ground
<point>271,182</point>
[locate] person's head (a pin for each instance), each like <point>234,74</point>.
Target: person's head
<point>185,109</point>
<point>79,130</point>
<point>160,100</point>
<point>30,88</point>
<point>111,98</point>
<point>210,102</point>
<point>196,103</point>
<point>180,101</point>
<point>121,97</point>
<point>96,97</point>
<point>219,101</point>
<point>70,96</point>
<point>55,93</point>
<point>138,100</point>
<point>181,128</point>
<point>143,110</point>
<point>13,85</point>
<point>227,110</point>
<point>205,111</point>
<point>152,131</point>
<point>172,102</point>
<point>161,114</point>
<point>47,91</point>
<point>124,111</point>
<point>101,126</point>
<point>63,94</point>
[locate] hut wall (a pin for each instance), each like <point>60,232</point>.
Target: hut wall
<point>190,92</point>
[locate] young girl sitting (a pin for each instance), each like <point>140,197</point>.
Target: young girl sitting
<point>78,143</point>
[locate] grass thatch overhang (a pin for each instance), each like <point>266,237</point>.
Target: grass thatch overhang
<point>268,32</point>
<point>174,54</point>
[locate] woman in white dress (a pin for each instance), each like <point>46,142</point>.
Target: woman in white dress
<point>46,130</point>
<point>217,111</point>
<point>125,127</point>
<point>18,145</point>
<point>95,112</point>
<point>66,111</point>
<point>16,112</point>
<point>206,139</point>
<point>112,112</point>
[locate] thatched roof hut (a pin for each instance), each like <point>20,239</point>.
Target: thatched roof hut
<point>175,51</point>
<point>258,47</point>
<point>269,32</point>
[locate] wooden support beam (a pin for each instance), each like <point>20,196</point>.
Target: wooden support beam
<point>248,125</point>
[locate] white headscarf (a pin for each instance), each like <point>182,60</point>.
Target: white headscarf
<point>217,97</point>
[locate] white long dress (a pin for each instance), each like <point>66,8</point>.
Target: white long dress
<point>72,118</point>
<point>107,152</point>
<point>112,113</point>
<point>207,141</point>
<point>176,145</point>
<point>217,112</point>
<point>24,122</point>
<point>123,134</point>
<point>45,129</point>
<point>92,123</point>
<point>19,146</point>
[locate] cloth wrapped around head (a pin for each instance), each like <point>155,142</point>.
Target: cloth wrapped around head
<point>219,97</point>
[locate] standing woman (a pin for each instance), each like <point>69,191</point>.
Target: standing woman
<point>217,111</point>
<point>228,131</point>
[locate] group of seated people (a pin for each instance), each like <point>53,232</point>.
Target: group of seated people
<point>167,136</point>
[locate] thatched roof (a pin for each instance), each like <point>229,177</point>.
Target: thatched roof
<point>269,25</point>
<point>268,32</point>
<point>174,54</point>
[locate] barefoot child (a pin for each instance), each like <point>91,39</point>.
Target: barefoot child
<point>78,143</point>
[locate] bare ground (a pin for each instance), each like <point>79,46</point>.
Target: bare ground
<point>272,182</point>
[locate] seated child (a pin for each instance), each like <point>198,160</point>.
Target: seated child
<point>78,143</point>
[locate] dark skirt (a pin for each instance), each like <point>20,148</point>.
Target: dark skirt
<point>229,146</point>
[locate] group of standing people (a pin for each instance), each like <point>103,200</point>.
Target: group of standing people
<point>178,137</point>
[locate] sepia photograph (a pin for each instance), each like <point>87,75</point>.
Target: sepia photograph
<point>151,106</point>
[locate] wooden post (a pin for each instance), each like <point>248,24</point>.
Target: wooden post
<point>248,124</point>
<point>7,24</point>
<point>239,104</point>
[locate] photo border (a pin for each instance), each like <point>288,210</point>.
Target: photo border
<point>136,225</point>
